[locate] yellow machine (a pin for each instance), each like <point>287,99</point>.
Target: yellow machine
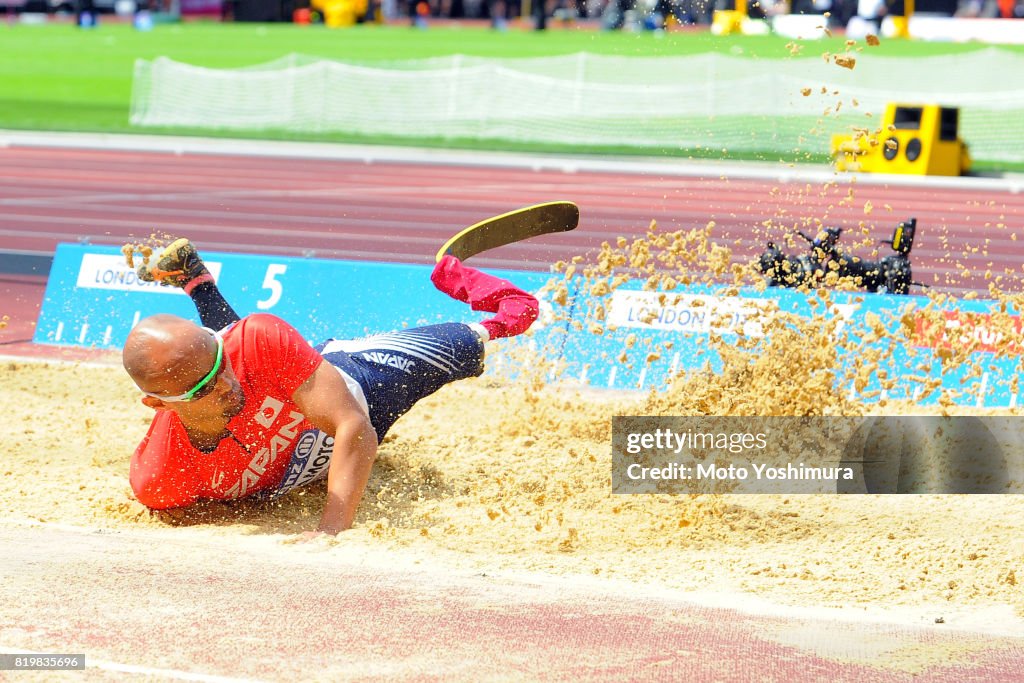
<point>901,21</point>
<point>340,13</point>
<point>726,22</point>
<point>914,139</point>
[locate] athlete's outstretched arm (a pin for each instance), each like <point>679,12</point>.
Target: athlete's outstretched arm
<point>327,403</point>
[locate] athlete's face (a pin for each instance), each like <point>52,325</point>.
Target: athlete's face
<point>219,397</point>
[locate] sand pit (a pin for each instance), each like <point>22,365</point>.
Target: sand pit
<point>512,477</point>
<point>498,474</point>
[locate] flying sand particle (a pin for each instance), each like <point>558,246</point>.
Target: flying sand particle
<point>846,61</point>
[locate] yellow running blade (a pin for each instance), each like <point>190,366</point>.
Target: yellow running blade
<point>514,226</point>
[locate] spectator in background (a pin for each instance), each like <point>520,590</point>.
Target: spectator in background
<point>499,13</point>
<point>85,13</point>
<point>419,12</point>
<point>440,8</point>
<point>542,9</point>
<point>765,9</point>
<point>614,15</point>
<point>685,12</point>
<point>1011,9</point>
<point>868,19</point>
<point>974,9</point>
<point>588,8</point>
<point>842,11</point>
<point>872,12</point>
<point>652,14</point>
<point>699,10</point>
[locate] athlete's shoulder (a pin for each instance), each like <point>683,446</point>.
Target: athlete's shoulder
<point>262,318</point>
<point>262,326</point>
<point>267,347</point>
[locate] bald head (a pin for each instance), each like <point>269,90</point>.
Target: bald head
<point>168,354</point>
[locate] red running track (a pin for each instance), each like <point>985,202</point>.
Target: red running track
<point>403,211</point>
<point>254,610</point>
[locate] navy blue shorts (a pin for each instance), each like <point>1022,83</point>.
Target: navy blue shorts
<point>397,369</point>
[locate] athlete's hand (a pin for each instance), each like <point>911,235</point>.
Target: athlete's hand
<point>307,537</point>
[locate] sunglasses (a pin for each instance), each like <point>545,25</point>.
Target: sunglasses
<point>207,382</point>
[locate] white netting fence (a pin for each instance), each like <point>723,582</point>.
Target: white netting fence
<point>710,100</point>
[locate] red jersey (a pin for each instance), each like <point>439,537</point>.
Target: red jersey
<point>271,360</point>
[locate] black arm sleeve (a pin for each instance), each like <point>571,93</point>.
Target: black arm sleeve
<point>215,312</point>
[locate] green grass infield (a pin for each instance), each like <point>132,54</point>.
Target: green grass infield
<point>59,77</point>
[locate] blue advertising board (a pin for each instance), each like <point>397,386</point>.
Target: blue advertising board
<point>93,299</point>
<point>685,318</point>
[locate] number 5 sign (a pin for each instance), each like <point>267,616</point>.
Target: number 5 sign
<point>269,282</point>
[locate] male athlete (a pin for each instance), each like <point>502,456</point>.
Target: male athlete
<point>247,407</point>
